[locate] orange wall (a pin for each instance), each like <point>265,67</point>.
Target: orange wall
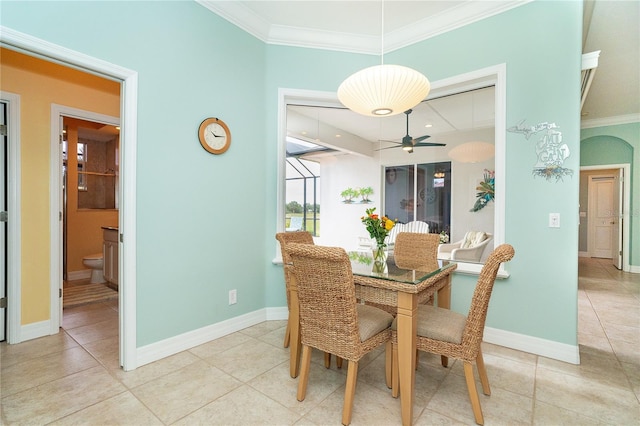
<point>39,85</point>
<point>84,226</point>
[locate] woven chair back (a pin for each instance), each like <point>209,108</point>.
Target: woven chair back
<point>416,251</point>
<point>285,238</point>
<point>326,292</point>
<point>474,328</point>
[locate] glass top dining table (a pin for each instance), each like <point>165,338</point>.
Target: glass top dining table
<point>399,289</point>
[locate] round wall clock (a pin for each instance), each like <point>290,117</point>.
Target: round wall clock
<point>214,135</point>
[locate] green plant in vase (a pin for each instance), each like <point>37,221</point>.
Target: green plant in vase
<point>378,228</point>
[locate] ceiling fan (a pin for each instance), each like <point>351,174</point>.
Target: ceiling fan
<point>408,143</point>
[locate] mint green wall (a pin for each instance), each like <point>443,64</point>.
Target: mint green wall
<point>616,145</point>
<point>199,216</point>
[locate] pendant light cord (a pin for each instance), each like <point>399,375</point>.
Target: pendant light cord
<point>382,33</point>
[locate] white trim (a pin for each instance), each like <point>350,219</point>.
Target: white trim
<point>610,121</point>
<point>173,345</point>
<point>450,19</point>
<point>583,254</point>
<point>626,206</point>
<point>634,269</point>
<point>14,236</point>
<point>127,214</point>
<point>34,330</point>
<point>79,275</point>
<point>533,345</point>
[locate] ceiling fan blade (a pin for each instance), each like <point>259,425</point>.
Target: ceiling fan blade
<point>429,144</point>
<point>421,138</point>
<point>385,140</point>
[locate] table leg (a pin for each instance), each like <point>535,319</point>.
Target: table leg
<point>444,301</point>
<point>407,325</point>
<point>295,345</point>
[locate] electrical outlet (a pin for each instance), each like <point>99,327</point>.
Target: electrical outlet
<point>233,297</point>
<point>554,220</point>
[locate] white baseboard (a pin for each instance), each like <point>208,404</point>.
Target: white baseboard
<point>533,345</point>
<point>583,254</point>
<point>79,275</point>
<point>634,269</point>
<point>34,330</point>
<point>176,344</point>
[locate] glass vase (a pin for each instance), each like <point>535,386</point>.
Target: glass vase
<point>379,258</point>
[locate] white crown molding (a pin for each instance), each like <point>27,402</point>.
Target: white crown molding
<point>610,121</point>
<point>459,16</point>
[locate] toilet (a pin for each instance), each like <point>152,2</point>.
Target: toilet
<point>95,263</point>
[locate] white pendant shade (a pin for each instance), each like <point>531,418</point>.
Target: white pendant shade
<point>383,90</point>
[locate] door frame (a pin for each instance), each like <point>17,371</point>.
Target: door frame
<point>624,214</point>
<point>128,79</point>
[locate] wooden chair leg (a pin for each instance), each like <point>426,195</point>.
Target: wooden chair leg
<point>338,362</point>
<point>482,372</point>
<point>417,358</point>
<point>473,393</point>
<point>388,363</point>
<point>349,392</point>
<point>287,335</point>
<point>327,360</point>
<point>444,360</point>
<point>395,372</point>
<point>304,372</point>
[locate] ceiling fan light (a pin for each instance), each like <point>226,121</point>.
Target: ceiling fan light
<point>383,90</point>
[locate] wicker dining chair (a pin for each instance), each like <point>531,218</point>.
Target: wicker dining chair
<point>284,238</point>
<point>448,333</point>
<point>331,320</point>
<point>301,237</point>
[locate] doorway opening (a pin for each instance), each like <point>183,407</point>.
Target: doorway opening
<point>604,215</point>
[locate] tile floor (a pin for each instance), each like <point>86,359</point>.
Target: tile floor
<point>242,379</point>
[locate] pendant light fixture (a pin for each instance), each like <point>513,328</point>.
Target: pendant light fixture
<point>383,90</point>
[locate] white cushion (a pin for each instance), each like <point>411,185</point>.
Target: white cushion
<point>473,238</point>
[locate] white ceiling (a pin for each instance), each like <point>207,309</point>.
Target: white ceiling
<point>355,26</point>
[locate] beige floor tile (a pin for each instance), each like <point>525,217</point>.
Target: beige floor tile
<point>625,351</point>
<point>106,351</point>
<point>502,407</point>
<point>370,407</point>
<point>512,354</point>
<point>550,415</point>
<point>249,359</point>
<point>623,332</point>
<point>600,400</point>
<point>12,354</point>
<point>146,373</point>
<point>594,365</point>
<point>263,328</point>
<point>37,371</point>
<point>86,315</point>
<point>219,345</point>
<point>633,373</point>
<point>243,406</point>
<point>94,332</point>
<point>184,391</point>
<point>59,398</point>
<point>279,386</point>
<point>122,409</point>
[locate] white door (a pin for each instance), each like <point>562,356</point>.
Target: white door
<point>3,222</point>
<point>602,218</point>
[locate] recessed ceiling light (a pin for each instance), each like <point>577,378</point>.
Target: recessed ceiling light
<point>338,135</point>
<point>428,125</point>
<point>304,132</point>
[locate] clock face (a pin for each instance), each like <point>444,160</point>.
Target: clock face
<point>214,135</point>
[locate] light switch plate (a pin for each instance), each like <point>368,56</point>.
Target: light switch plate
<point>554,220</point>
